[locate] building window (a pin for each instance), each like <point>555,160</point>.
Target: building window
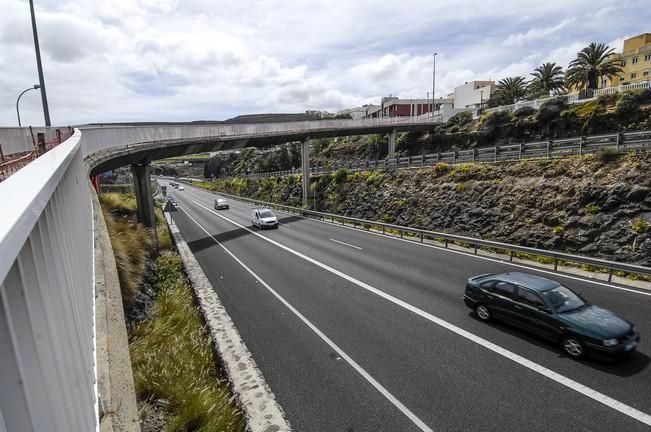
<point>623,63</point>
<point>634,60</point>
<point>647,57</point>
<point>634,75</point>
<point>645,73</point>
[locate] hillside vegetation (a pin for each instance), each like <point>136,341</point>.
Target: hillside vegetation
<point>598,205</point>
<point>555,119</point>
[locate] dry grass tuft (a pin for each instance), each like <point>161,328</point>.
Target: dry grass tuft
<point>131,246</point>
<point>172,358</point>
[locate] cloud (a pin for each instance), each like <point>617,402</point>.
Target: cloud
<point>536,33</point>
<point>151,60</point>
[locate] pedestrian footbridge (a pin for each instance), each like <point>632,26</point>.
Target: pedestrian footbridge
<point>52,263</point>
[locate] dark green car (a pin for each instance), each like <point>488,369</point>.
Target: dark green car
<point>551,310</point>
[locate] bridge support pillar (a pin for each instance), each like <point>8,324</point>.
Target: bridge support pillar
<point>392,143</point>
<point>144,198</point>
<point>305,170</point>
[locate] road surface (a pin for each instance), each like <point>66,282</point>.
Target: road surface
<point>355,331</point>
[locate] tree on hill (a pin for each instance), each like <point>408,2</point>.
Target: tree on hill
<point>547,78</point>
<point>590,65</point>
<point>510,90</point>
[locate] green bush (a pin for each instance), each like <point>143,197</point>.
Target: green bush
<point>375,179</point>
<point>559,229</point>
<point>608,154</point>
<point>460,187</point>
<point>441,168</point>
<point>639,225</point>
<point>341,175</point>
<point>525,111</point>
<point>460,118</point>
<point>592,208</point>
<point>550,110</point>
<point>627,104</point>
<point>494,122</point>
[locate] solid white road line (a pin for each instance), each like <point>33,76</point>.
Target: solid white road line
<point>346,244</point>
<point>555,376</point>
<point>470,255</point>
<point>417,421</point>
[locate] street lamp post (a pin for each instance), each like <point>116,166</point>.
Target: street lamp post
<point>433,83</point>
<point>35,87</point>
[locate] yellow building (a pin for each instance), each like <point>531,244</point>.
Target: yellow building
<point>636,61</point>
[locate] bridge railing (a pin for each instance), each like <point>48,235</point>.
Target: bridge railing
<point>47,377</point>
<point>621,142</point>
<point>446,240</point>
<point>97,138</point>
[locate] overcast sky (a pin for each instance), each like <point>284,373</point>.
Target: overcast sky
<point>167,60</point>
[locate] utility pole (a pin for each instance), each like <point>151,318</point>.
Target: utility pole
<point>433,83</point>
<point>41,80</point>
<point>481,101</point>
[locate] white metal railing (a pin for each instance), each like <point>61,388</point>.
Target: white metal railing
<point>572,98</point>
<point>47,373</point>
<point>622,88</point>
<point>627,141</point>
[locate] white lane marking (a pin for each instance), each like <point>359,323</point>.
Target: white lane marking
<point>554,376</point>
<point>346,244</point>
<point>467,254</point>
<point>417,421</point>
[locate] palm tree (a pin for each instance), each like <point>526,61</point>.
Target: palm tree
<point>510,90</point>
<point>547,78</point>
<point>590,65</point>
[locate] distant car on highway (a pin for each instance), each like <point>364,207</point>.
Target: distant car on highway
<point>221,204</point>
<point>551,310</point>
<point>181,188</point>
<point>264,218</point>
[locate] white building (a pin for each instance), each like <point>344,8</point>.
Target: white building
<point>471,94</point>
<point>360,112</point>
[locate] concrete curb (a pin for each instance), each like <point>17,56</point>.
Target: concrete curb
<point>261,410</point>
<point>118,408</point>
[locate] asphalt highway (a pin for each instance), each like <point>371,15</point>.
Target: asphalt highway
<point>356,331</point>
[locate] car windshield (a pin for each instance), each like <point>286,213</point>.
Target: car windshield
<point>563,299</point>
<point>266,213</point>
<point>221,201</point>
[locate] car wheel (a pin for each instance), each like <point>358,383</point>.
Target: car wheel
<point>483,313</point>
<point>573,347</point>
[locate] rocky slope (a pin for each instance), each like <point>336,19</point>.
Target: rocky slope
<point>590,205</point>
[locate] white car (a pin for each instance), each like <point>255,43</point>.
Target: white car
<point>181,188</point>
<point>221,204</point>
<point>264,218</point>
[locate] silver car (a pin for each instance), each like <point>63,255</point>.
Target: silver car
<point>221,204</point>
<point>264,218</point>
